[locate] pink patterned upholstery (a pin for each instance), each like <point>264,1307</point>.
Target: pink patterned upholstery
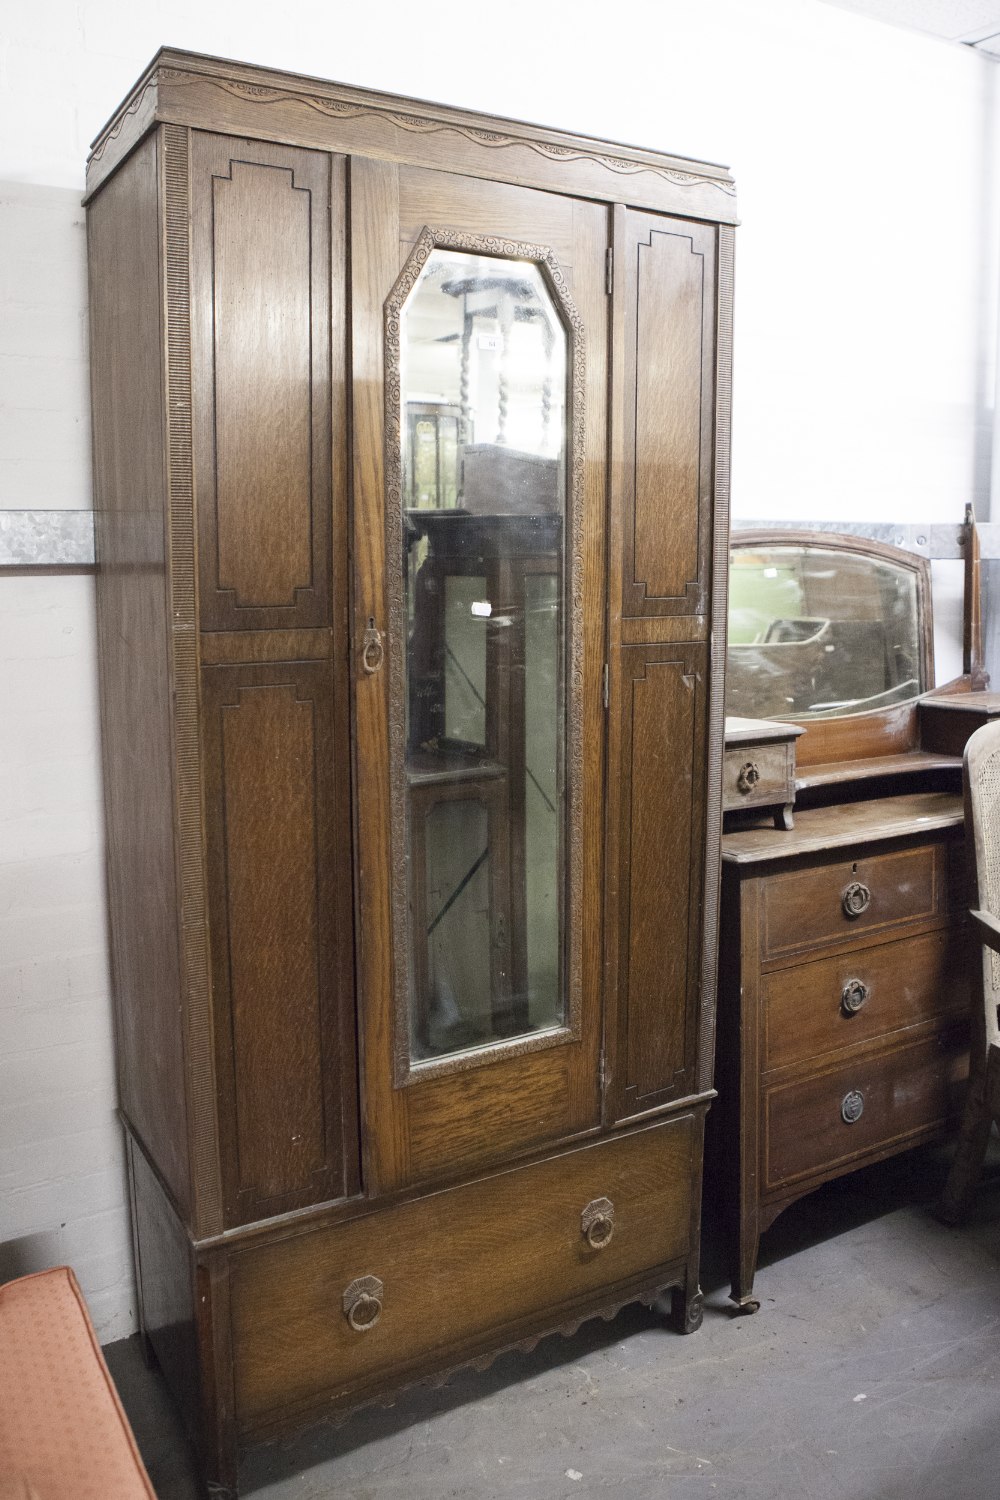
<point>63,1433</point>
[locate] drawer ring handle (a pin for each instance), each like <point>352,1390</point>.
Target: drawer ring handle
<point>363,1303</point>
<point>748,777</point>
<point>853,996</point>
<point>597,1223</point>
<point>856,899</point>
<point>852,1107</point>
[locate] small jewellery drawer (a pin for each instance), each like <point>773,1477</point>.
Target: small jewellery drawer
<point>326,1311</point>
<point>818,1007</point>
<point>755,775</point>
<point>867,1105</point>
<point>834,901</point>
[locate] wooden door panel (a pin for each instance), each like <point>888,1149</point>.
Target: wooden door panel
<point>263,463</point>
<point>417,1113</point>
<point>660,856</point>
<point>280,935</point>
<point>668,277</point>
<point>497,209</point>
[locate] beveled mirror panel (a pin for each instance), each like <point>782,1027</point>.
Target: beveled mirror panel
<point>484,457</point>
<point>823,629</point>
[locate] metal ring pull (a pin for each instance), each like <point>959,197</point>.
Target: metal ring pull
<point>363,1303</point>
<point>748,777</point>
<point>852,1107</point>
<point>372,651</point>
<point>597,1223</point>
<point>853,996</point>
<point>856,899</point>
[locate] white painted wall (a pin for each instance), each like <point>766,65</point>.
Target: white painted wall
<point>867,266</point>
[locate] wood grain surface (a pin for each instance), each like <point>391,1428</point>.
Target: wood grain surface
<point>128,401</point>
<point>909,981</point>
<point>821,828</point>
<point>275,873</point>
<point>662,807</point>
<point>261,361</point>
<point>805,907</point>
<point>906,1093</point>
<point>454,1265</point>
<point>669,381</point>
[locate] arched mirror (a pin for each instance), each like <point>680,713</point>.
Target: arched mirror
<point>824,627</point>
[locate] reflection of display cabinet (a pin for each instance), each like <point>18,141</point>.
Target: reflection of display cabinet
<point>411,454</point>
<point>484,774</point>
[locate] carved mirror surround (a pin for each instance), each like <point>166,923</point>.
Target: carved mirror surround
<point>825,627</point>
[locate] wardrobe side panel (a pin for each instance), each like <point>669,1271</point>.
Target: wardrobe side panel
<point>165,1281</point>
<point>124,250</point>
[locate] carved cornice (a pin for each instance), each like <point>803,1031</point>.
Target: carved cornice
<point>325,104</point>
<point>112,131</point>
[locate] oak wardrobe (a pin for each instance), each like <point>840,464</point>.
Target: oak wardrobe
<point>411,441</point>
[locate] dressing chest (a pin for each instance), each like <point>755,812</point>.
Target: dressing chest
<point>843,999</point>
<point>844,955</point>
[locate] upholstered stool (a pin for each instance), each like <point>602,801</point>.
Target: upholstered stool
<point>63,1432</point>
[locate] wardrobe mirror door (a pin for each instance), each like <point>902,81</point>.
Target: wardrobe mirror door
<point>479,354</point>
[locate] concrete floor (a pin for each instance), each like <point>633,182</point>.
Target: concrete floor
<point>871,1372</point>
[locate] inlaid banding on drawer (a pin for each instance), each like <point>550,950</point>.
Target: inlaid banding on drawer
<point>819,1007</point>
<point>836,901</point>
<point>870,1104</point>
<point>456,1266</point>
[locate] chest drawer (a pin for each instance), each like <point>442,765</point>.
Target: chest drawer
<point>831,902</point>
<point>458,1265</point>
<point>865,1106</point>
<point>818,1007</point>
<point>756,775</point>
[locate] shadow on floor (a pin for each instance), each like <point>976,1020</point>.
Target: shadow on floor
<point>804,1242</point>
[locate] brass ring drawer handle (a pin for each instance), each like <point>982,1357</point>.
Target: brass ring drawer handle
<point>363,1303</point>
<point>853,996</point>
<point>748,777</point>
<point>852,1107</point>
<point>597,1223</point>
<point>856,899</point>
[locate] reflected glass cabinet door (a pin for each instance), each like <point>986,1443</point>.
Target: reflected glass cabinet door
<point>483,344</point>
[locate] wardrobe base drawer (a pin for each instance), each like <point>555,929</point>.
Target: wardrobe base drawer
<point>869,1105</point>
<point>439,1273</point>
